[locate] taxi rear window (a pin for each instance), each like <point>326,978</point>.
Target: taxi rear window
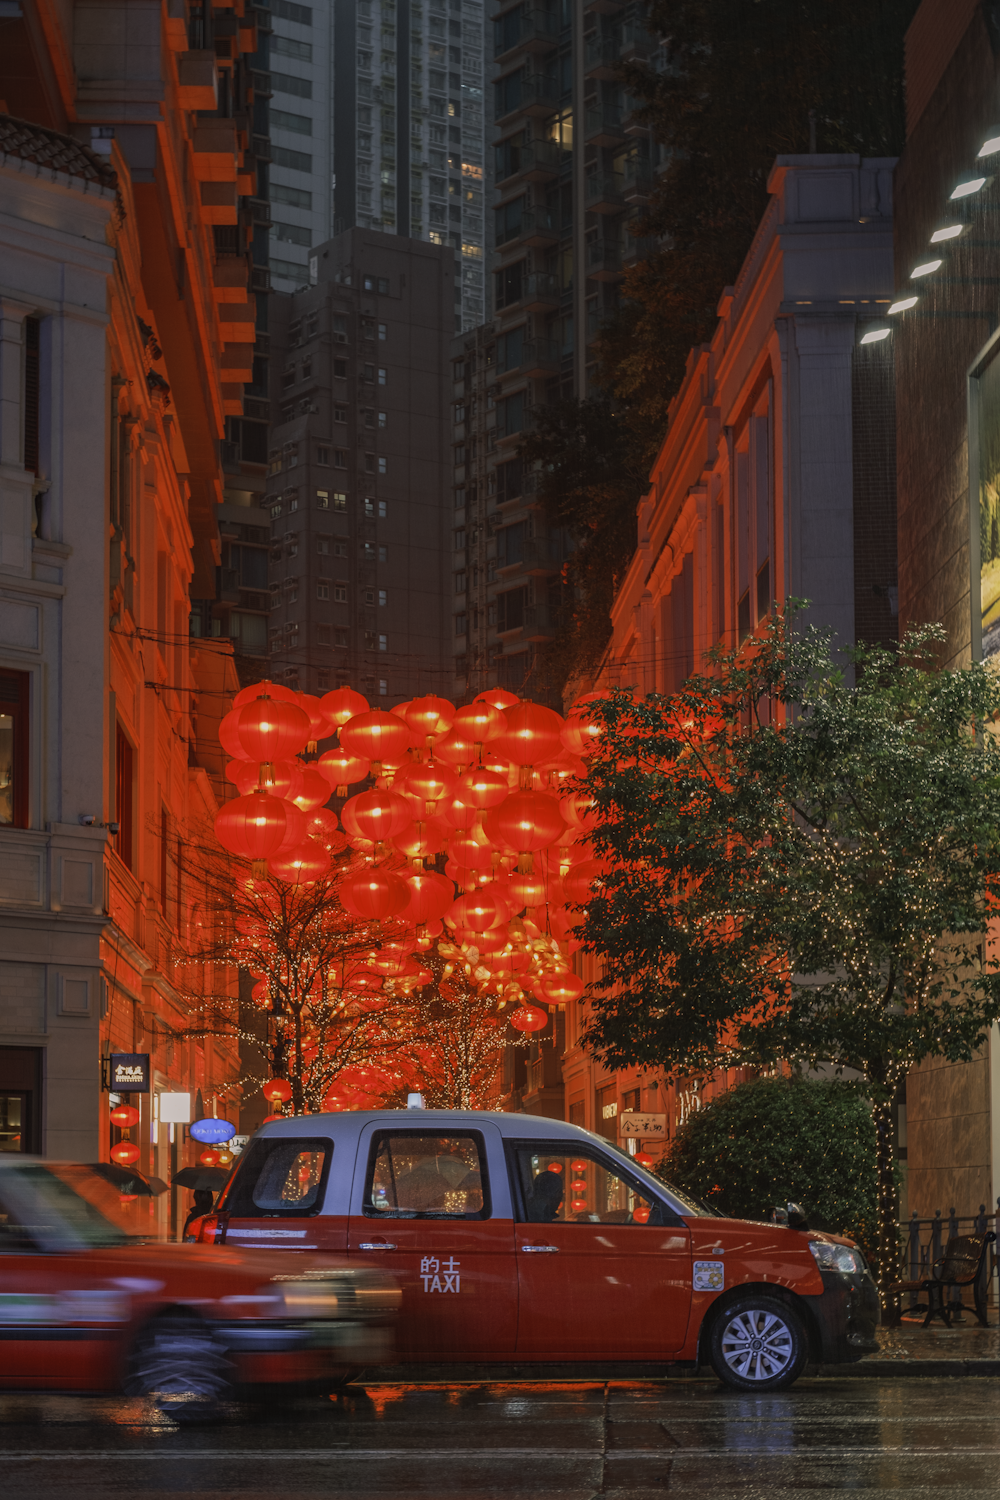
<point>415,1174</point>
<point>280,1178</point>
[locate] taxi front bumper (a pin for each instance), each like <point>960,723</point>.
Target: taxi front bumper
<point>846,1315</point>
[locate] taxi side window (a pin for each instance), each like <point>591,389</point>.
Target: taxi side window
<point>413,1174</point>
<point>579,1187</point>
<point>280,1178</point>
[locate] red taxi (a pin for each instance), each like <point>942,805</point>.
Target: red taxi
<point>85,1307</point>
<point>516,1237</point>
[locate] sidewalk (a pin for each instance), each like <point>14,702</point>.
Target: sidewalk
<point>964,1349</point>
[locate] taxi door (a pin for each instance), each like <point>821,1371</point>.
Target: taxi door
<point>431,1205</point>
<point>286,1195</point>
<point>603,1268</point>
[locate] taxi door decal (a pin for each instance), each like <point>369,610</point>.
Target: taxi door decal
<point>440,1276</point>
<point>709,1275</point>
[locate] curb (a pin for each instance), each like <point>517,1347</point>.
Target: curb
<point>871,1367</point>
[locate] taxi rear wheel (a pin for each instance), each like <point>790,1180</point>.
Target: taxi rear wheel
<point>758,1343</point>
<point>177,1359</point>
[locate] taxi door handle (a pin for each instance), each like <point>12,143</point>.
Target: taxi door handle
<point>382,1245</point>
<point>539,1249</point>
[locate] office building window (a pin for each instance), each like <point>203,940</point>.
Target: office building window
<point>323,456</point>
<point>14,749</point>
<point>383,466</point>
<point>339,500</point>
<point>340,593</point>
<point>322,591</point>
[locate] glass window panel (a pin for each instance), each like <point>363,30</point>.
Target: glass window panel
<point>413,1175</point>
<point>579,1187</point>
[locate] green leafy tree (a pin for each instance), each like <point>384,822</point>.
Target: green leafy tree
<point>772,1141</point>
<point>800,848</point>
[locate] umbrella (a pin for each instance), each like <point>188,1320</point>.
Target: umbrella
<point>127,1180</point>
<point>212,1178</point>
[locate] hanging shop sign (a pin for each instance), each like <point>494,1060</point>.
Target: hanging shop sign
<point>212,1132</point>
<point>128,1072</point>
<point>636,1124</point>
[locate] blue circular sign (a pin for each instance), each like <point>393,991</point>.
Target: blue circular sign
<point>213,1132</point>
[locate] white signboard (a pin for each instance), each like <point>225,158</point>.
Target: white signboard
<point>236,1144</point>
<point>175,1109</point>
<point>632,1123</point>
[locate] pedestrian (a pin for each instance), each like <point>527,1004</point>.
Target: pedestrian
<point>203,1200</point>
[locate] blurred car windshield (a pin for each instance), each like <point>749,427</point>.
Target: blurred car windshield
<point>41,1211</point>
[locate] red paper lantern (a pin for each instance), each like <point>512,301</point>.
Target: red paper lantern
<point>124,1116</point>
<point>640,1214</point>
<point>419,841</point>
<point>470,854</point>
<point>228,734</point>
<point>579,1205</point>
<point>209,1158</point>
<point>578,1167</point>
<point>578,883</point>
<point>578,1186</point>
<point>341,769</point>
<point>455,748</point>
<point>267,1120</point>
<point>533,735</point>
<point>376,737</point>
<point>277,1091</point>
<point>379,814</point>
<point>558,988</point>
<point>478,912</point>
<point>321,824</point>
<point>425,785</point>
<point>126,1153</point>
<point>530,1018</point>
<point>320,727</point>
<point>428,717</point>
<point>644,1160</point>
<point>270,729</point>
<point>482,788</point>
<point>430,897</point>
<point>579,811</point>
<point>374,894</point>
<point>261,992</point>
<point>279,778</point>
<point>264,690</point>
<point>313,790</point>
<point>480,723</point>
<point>526,821</point>
<point>554,1166</point>
<point>302,865</point>
<point>258,825</point>
<point>499,697</point>
<point>343,704</point>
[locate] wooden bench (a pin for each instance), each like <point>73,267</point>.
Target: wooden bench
<point>962,1264</point>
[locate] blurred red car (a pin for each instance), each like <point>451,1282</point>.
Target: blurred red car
<point>85,1307</point>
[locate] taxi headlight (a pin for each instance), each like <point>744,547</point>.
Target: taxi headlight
<point>835,1257</point>
<point>310,1299</point>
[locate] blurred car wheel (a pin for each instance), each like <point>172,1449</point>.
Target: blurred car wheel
<point>758,1344</point>
<point>177,1359</point>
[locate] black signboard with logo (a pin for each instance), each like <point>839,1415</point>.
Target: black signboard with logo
<point>128,1072</point>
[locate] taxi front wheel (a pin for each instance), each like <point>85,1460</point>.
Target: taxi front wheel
<point>177,1359</point>
<point>758,1343</point>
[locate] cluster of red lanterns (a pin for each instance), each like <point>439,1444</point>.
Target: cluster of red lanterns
<point>486,786</point>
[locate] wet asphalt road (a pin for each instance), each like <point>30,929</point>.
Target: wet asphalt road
<point>627,1440</point>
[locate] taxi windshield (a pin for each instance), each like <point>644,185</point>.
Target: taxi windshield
<point>39,1211</point>
<point>685,1203</point>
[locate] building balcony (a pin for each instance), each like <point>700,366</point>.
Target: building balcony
<point>538,357</point>
<point>197,80</point>
<point>531,94</point>
<point>604,194</point>
<point>638,248</point>
<point>604,261</point>
<point>637,182</point>
<point>603,125</point>
<point>524,29</point>
<point>541,558</point>
<point>603,7</point>
<point>540,623</point>
<point>538,227</point>
<point>261,146</point>
<point>536,293</point>
<point>601,57</point>
<point>634,42</point>
<point>538,162</point>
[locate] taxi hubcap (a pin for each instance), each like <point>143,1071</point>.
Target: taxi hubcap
<point>757,1345</point>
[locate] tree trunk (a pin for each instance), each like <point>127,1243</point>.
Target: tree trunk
<point>888,1230</point>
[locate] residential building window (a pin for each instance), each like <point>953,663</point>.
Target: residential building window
<point>383,643</point>
<point>461,624</point>
<point>276,509</point>
<point>383,510</point>
<point>340,369</point>
<point>381,376</point>
<point>323,677</point>
<point>322,499</point>
<point>340,413</point>
<point>460,499</point>
<point>369,640</point>
<point>323,546</point>
<point>383,466</point>
<point>383,688</point>
<point>369,463</point>
<point>369,506</point>
<point>340,458</point>
<point>340,638</point>
<point>383,554</point>
<point>383,419</point>
<point>293,504</point>
<point>369,596</point>
<point>124,794</point>
<point>382,599</point>
<point>322,591</point>
<point>458,539</point>
<point>14,749</point>
<point>307,368</point>
<point>312,325</point>
<point>339,500</point>
<point>340,593</point>
<point>340,549</point>
<point>322,455</point>
<point>379,284</point>
<point>324,635</point>
<point>291,455</point>
<point>459,583</point>
<point>382,331</point>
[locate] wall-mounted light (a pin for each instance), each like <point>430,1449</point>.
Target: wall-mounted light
<point>991,145</point>
<point>972,186</point>
<point>949,232</point>
<point>876,335</point>
<point>926,269</point>
<point>904,304</point>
